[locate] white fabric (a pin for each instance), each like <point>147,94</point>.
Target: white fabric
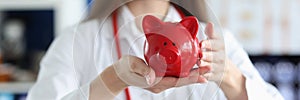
<point>66,71</point>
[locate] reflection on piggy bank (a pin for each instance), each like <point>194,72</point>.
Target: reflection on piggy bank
<point>171,49</point>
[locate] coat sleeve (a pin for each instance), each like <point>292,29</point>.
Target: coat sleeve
<point>256,87</point>
<point>57,77</point>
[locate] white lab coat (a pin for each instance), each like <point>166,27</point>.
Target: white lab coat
<point>77,56</point>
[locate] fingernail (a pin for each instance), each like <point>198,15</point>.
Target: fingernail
<point>148,79</point>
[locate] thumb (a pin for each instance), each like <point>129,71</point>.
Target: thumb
<point>134,71</point>
<point>150,77</point>
<point>209,31</point>
<point>146,71</point>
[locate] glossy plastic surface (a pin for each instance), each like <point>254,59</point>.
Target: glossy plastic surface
<point>171,49</point>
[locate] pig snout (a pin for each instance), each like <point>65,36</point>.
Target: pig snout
<point>169,56</point>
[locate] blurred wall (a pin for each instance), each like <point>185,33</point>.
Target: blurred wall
<point>262,26</point>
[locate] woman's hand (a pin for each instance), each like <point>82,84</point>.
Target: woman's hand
<point>127,71</point>
<point>133,71</point>
<point>213,50</point>
<point>164,83</point>
<point>223,71</point>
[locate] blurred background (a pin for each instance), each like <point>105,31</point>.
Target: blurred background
<point>267,29</point>
<point>269,32</point>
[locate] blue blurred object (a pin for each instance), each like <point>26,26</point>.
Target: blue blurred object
<point>284,72</point>
<point>38,33</point>
<point>287,91</point>
<point>6,96</point>
<point>39,27</point>
<point>264,69</point>
<point>21,96</point>
<point>298,73</point>
<point>89,4</point>
<point>298,93</point>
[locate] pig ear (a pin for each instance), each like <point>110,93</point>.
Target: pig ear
<point>147,36</point>
<point>151,23</point>
<point>191,24</point>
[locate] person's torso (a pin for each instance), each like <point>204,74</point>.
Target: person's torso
<point>131,41</point>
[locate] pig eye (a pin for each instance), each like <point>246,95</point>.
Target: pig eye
<point>165,43</point>
<point>173,44</point>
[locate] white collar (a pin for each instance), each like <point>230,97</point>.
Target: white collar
<point>126,15</point>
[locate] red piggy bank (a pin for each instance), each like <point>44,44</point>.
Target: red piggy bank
<point>171,49</point>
